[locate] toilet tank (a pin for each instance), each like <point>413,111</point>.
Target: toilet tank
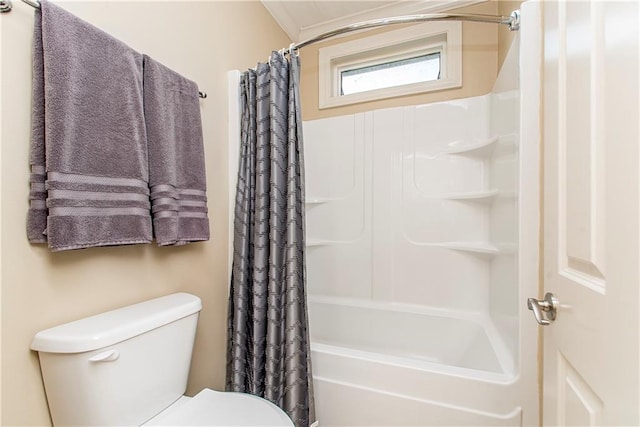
<point>122,367</point>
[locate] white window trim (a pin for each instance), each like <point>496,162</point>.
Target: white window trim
<point>443,37</point>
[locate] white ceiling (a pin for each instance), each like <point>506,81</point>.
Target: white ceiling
<point>303,19</point>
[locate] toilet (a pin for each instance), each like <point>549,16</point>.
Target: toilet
<point>130,366</point>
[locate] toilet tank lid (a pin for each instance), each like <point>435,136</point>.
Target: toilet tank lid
<point>115,326</point>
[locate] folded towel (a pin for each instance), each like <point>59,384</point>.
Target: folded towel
<point>88,137</point>
<point>176,156</point>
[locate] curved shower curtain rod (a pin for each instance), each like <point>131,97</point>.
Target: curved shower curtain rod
<point>512,21</point>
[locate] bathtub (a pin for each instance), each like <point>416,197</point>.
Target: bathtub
<point>369,371</point>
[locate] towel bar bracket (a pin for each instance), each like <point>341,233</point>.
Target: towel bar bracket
<point>5,6</point>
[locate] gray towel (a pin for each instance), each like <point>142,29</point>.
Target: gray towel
<point>88,137</point>
<point>177,176</point>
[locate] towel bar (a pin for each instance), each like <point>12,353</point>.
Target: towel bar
<point>6,6</point>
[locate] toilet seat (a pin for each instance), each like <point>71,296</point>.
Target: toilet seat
<point>215,408</point>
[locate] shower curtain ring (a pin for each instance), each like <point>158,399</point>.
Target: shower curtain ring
<point>292,49</point>
<point>5,6</point>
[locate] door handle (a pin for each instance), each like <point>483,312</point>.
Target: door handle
<point>549,305</point>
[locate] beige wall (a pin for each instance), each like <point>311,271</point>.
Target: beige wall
<point>479,69</point>
<point>40,289</point>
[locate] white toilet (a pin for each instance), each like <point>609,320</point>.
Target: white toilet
<point>129,367</point>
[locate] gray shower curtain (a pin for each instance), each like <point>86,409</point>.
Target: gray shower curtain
<point>268,339</point>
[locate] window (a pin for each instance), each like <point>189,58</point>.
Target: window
<point>423,68</point>
<point>420,58</point>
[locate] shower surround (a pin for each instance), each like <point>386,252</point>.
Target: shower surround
<point>413,217</point>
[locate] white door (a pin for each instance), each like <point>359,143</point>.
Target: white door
<point>591,212</point>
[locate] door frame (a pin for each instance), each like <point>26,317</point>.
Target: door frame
<point>530,207</point>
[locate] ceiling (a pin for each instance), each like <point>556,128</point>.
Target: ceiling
<point>303,19</point>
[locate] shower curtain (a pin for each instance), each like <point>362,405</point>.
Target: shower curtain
<point>268,338</point>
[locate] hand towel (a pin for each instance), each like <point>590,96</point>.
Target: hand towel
<point>177,178</point>
<point>88,138</point>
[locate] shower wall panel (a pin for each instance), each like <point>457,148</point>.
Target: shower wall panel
<point>413,205</point>
<point>338,220</point>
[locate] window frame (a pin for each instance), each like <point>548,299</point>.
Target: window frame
<point>432,37</point>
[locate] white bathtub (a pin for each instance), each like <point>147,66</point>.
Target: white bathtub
<point>396,365</point>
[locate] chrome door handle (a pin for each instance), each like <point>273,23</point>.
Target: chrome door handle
<point>549,305</point>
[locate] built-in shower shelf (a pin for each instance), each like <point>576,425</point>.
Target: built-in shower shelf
<point>318,242</point>
<point>482,148</point>
<point>482,196</point>
<point>485,249</point>
<point>498,145</point>
<point>318,200</point>
<point>507,248</point>
<point>481,248</point>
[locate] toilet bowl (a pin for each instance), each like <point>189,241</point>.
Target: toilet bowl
<point>130,367</point>
<point>214,408</point>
